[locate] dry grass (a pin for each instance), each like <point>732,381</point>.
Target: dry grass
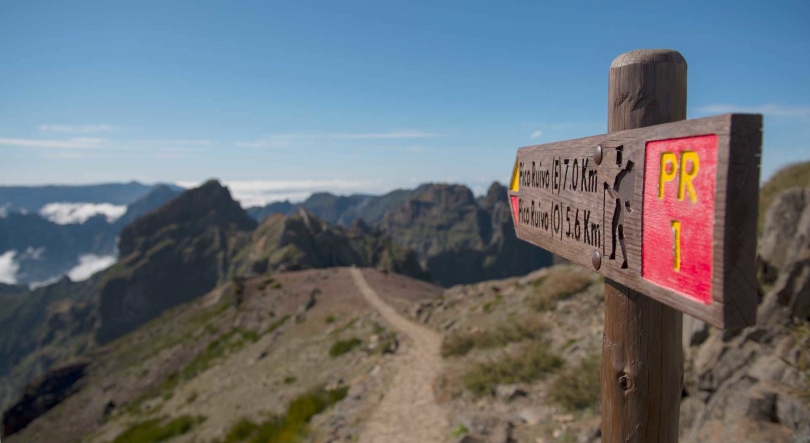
<point>579,388</point>
<point>463,342</point>
<point>557,286</point>
<point>801,333</point>
<point>529,364</point>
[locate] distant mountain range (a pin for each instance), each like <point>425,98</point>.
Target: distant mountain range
<point>338,209</point>
<point>33,198</point>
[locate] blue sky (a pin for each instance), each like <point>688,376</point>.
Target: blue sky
<point>280,99</point>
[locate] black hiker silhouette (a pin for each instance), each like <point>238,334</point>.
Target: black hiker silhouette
<point>622,192</point>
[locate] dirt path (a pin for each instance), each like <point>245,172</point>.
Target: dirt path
<point>408,413</point>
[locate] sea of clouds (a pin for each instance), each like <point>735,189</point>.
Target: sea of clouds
<point>64,213</point>
<point>89,264</point>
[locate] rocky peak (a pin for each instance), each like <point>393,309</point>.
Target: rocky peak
<point>195,210</point>
<point>496,193</point>
<point>445,195</point>
<point>459,239</point>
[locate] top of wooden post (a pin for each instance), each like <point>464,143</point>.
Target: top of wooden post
<point>646,87</point>
<point>648,56</point>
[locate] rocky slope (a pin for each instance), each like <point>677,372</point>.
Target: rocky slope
<point>522,354</point>
<point>231,361</point>
<point>42,328</point>
<point>168,257</point>
<point>461,240</point>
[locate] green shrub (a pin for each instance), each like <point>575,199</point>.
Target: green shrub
<point>343,346</point>
<point>277,324</point>
<point>459,431</point>
<point>331,318</point>
<point>290,427</point>
<point>265,282</point>
<point>276,285</point>
<point>463,342</point>
<point>241,431</point>
<point>288,380</point>
<point>579,388</point>
<point>527,365</point>
<point>491,305</point>
<point>153,431</point>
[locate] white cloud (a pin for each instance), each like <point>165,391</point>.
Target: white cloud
<point>65,213</point>
<point>536,134</point>
<point>72,129</point>
<point>260,192</point>
<point>8,267</point>
<point>89,264</point>
<point>73,143</point>
<point>775,110</point>
<point>168,142</point>
<point>40,284</point>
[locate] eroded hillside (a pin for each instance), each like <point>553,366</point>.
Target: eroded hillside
<point>237,358</point>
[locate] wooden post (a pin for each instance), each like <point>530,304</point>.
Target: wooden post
<point>642,359</point>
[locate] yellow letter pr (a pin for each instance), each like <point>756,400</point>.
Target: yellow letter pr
<point>685,180</point>
<point>664,176</point>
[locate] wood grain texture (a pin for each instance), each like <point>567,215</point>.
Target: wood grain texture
<point>733,281</point>
<point>642,368</point>
<point>642,361</point>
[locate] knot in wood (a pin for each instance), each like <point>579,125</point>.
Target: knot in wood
<point>625,383</point>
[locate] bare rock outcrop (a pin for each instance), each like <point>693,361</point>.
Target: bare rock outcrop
<point>752,385</point>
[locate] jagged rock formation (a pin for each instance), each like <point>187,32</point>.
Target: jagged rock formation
<point>168,257</point>
<point>461,240</point>
<point>304,241</point>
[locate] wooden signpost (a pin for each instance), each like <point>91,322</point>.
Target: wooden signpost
<point>666,209</point>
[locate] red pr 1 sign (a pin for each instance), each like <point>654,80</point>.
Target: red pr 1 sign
<point>678,215</point>
<point>669,210</point>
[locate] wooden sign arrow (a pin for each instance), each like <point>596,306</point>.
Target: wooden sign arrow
<point>667,210</point>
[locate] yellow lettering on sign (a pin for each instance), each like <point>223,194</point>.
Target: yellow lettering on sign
<point>676,230</point>
<point>667,158</point>
<point>685,180</point>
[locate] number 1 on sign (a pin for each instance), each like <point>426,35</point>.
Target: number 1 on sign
<point>676,231</point>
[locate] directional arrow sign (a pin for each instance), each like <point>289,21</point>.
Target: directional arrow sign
<point>669,210</point>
